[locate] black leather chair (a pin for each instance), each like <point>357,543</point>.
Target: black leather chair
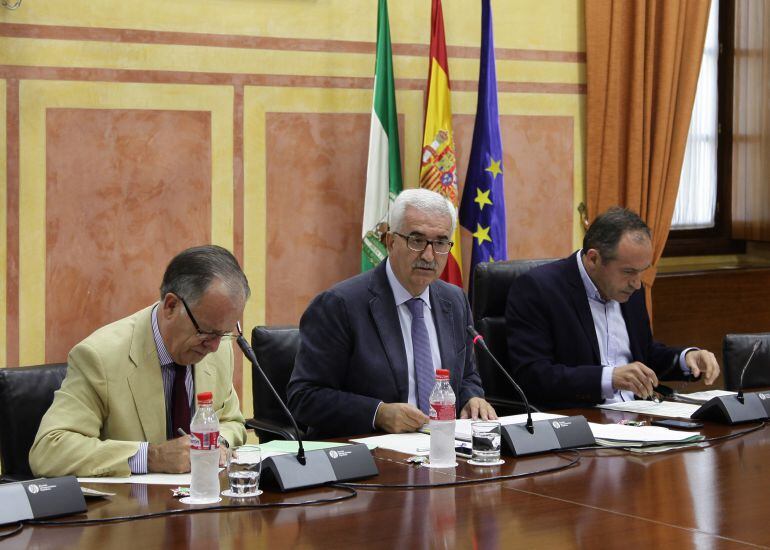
<point>275,349</point>
<point>25,395</point>
<point>736,349</point>
<point>491,282</point>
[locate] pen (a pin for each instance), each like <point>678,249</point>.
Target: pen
<point>181,432</point>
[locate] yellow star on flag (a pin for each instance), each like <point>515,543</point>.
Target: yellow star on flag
<point>494,167</point>
<point>482,234</point>
<point>482,197</point>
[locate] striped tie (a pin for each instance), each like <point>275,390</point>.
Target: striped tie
<point>424,373</point>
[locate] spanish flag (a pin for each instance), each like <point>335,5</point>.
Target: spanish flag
<point>438,166</point>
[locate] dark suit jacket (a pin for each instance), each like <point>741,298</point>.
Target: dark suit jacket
<point>552,345</point>
<point>351,353</point>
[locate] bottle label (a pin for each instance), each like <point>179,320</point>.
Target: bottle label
<point>204,441</point>
<point>442,412</point>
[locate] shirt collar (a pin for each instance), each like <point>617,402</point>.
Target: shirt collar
<point>401,294</point>
<point>591,290</point>
<point>163,354</point>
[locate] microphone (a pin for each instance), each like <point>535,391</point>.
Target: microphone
<point>757,345</point>
<point>734,409</point>
<point>249,353</point>
<point>478,340</point>
<point>551,434</point>
<point>318,467</point>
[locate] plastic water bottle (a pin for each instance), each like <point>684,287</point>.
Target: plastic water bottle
<point>442,422</point>
<point>204,452</point>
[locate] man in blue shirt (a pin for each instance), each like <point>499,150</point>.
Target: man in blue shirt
<point>578,328</point>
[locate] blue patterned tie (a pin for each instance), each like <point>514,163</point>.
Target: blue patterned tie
<point>424,373</point>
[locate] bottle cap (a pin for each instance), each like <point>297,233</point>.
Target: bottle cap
<point>205,397</point>
<point>442,373</point>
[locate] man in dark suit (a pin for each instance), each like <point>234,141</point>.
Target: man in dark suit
<point>578,329</point>
<point>370,345</point>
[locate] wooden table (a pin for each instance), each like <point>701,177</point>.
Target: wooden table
<point>712,497</point>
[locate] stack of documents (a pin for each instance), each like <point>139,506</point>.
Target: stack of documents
<point>700,397</point>
<point>670,409</point>
<point>620,435</point>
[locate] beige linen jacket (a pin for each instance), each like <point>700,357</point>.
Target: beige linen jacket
<point>112,398</point>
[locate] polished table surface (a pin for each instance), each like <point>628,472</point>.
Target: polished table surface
<point>713,496</point>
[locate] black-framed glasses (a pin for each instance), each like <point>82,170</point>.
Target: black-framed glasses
<point>205,335</point>
<point>419,243</point>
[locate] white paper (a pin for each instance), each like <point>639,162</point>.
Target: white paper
<point>411,443</point>
<point>147,479</point>
<point>250,456</point>
<point>641,434</point>
<point>463,426</point>
<point>702,396</point>
<point>664,408</point>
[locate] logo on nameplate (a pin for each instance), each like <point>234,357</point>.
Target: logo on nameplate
<point>762,396</point>
<point>338,454</point>
<point>560,424</point>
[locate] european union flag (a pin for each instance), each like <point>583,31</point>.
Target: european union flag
<point>482,210</point>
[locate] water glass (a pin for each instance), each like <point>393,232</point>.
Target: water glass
<point>244,478</point>
<point>486,441</point>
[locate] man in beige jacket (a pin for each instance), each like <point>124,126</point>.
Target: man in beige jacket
<point>130,385</point>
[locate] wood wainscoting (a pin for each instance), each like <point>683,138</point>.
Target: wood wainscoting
<point>699,308</point>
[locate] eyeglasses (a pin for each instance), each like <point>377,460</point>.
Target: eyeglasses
<point>418,243</point>
<point>205,335</point>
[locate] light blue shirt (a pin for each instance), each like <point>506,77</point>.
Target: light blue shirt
<point>401,296</point>
<point>612,335</point>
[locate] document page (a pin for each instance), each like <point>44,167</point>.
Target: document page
<point>664,408</point>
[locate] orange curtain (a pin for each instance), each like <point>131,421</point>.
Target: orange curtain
<point>642,63</point>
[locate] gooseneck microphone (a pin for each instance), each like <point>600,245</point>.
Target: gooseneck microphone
<point>757,345</point>
<point>249,353</point>
<point>478,340</point>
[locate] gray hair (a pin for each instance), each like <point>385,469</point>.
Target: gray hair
<point>607,230</point>
<point>191,272</point>
<point>423,200</point>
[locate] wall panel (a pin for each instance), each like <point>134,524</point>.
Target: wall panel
<point>125,191</point>
<point>102,96</point>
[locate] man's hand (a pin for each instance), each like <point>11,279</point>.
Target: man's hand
<point>476,408</point>
<point>223,455</point>
<point>700,361</point>
<point>399,417</point>
<point>635,377</point>
<point>169,457</point>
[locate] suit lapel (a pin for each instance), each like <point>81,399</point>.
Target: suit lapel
<point>205,376</point>
<point>580,300</point>
<point>146,380</point>
<point>382,306</point>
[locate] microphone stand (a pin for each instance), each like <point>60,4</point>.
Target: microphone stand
<point>555,434</point>
<point>249,353</point>
<point>757,345</point>
<point>318,467</point>
<point>734,409</point>
<point>478,340</point>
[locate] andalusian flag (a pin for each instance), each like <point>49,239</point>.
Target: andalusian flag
<point>438,168</point>
<point>383,171</point>
<point>483,206</point>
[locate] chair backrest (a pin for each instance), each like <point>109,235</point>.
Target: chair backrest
<point>491,283</point>
<point>736,349</point>
<point>275,348</point>
<point>25,395</point>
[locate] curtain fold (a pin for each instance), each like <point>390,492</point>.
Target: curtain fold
<point>642,63</point>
